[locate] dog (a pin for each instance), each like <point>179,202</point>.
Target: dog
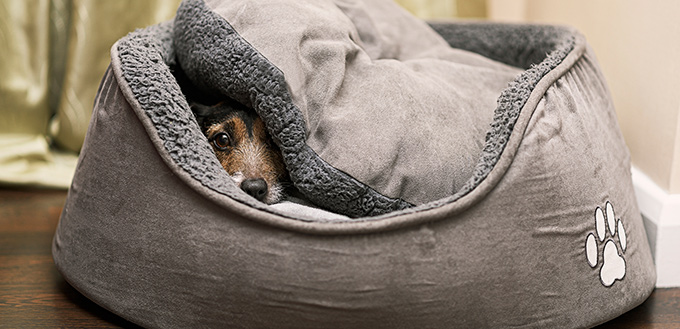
<point>244,148</point>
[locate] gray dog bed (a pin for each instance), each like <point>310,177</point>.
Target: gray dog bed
<point>449,175</point>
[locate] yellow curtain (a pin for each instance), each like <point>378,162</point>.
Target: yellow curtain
<point>53,54</point>
<point>430,9</point>
<point>445,9</point>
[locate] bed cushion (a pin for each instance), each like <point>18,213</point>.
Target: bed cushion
<point>545,233</point>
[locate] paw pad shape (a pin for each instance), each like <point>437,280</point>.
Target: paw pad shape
<point>608,229</point>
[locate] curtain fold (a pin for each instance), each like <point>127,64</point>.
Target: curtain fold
<point>24,53</point>
<point>53,53</point>
<point>430,9</point>
<point>446,9</point>
<point>95,26</point>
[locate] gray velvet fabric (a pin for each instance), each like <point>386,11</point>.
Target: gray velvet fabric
<point>156,232</point>
<point>140,238</point>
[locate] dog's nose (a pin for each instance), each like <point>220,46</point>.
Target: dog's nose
<point>257,188</point>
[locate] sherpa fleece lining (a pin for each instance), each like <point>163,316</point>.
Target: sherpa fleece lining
<point>147,58</point>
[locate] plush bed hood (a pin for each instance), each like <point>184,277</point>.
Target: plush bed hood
<point>371,117</point>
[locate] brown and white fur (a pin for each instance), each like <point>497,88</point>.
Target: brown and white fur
<point>244,148</point>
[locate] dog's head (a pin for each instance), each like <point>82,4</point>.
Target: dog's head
<point>244,148</point>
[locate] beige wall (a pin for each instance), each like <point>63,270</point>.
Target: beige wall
<point>638,45</point>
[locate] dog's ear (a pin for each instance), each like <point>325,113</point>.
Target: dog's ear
<point>201,111</point>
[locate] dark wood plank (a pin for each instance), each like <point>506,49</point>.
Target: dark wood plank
<point>34,294</point>
<point>660,310</point>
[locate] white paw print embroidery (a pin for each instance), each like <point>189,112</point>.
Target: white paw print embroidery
<point>607,227</point>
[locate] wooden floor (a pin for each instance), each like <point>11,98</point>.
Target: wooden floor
<point>33,293</point>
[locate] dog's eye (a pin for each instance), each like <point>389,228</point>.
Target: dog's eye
<point>221,141</point>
